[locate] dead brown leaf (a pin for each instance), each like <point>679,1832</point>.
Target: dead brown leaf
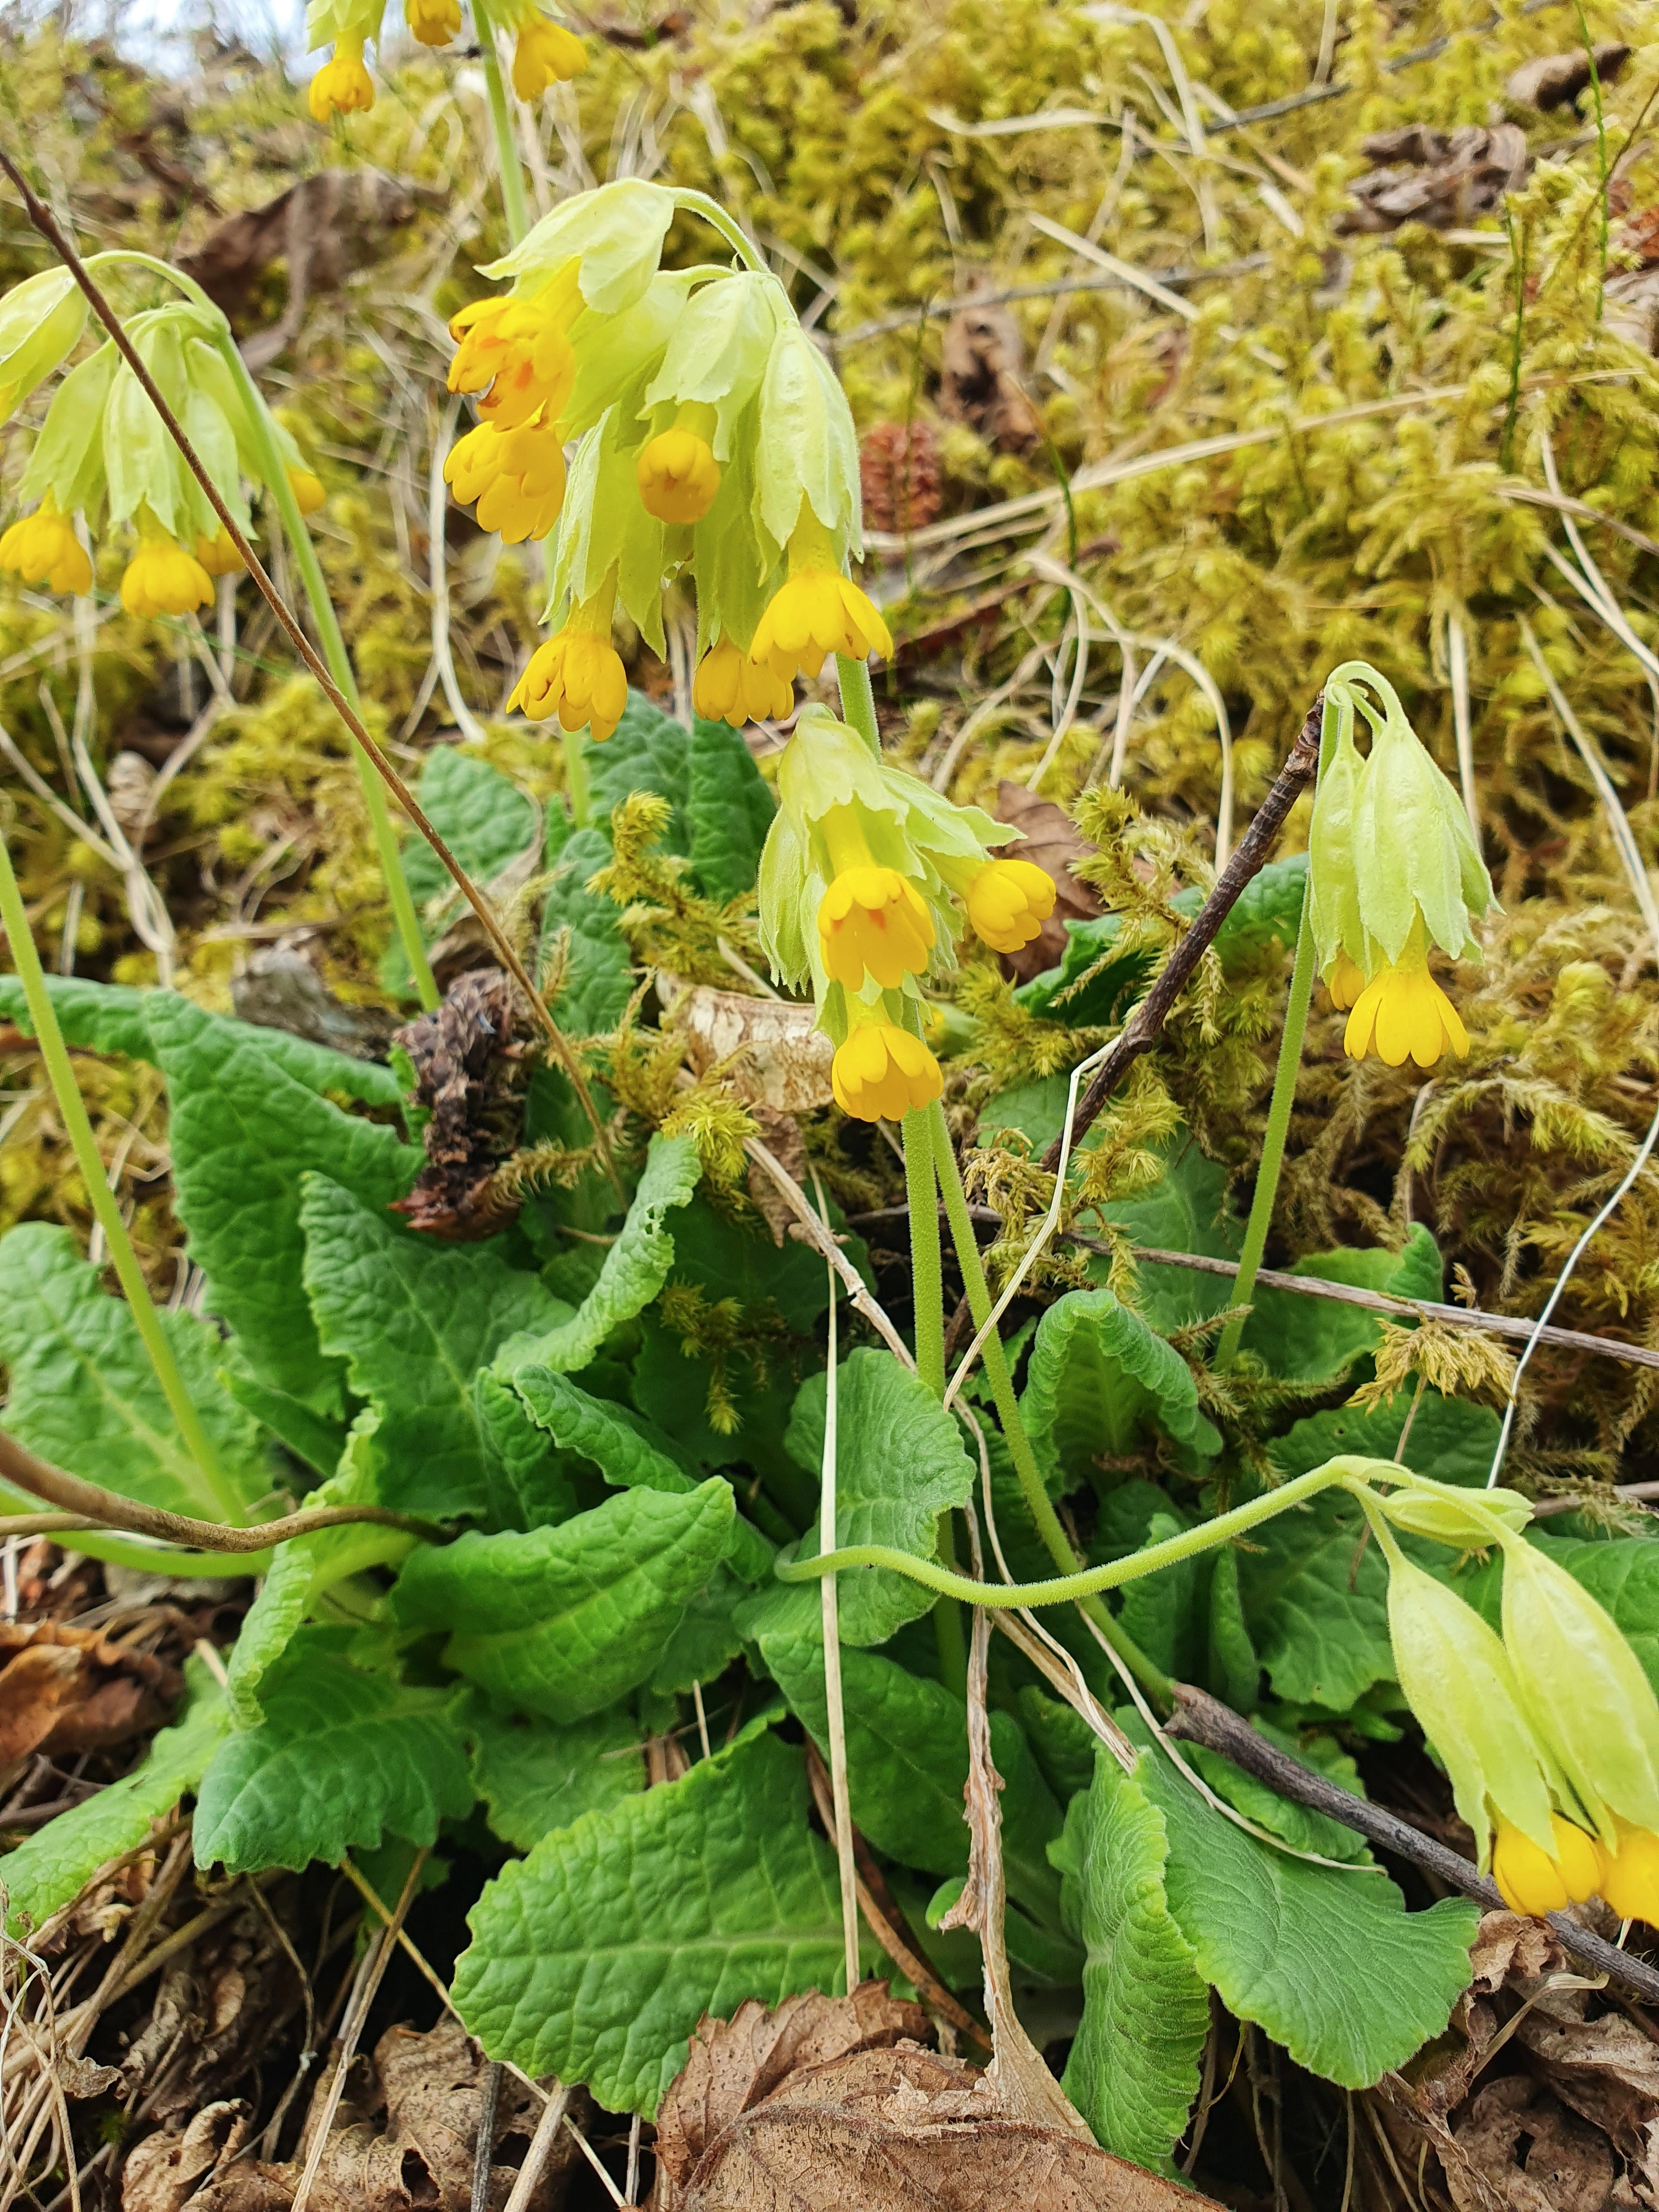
<point>893,2128</point>
<point>71,1690</point>
<point>323,226</point>
<point>1443,178</point>
<point>468,1072</point>
<point>1052,842</point>
<point>164,2169</point>
<point>281,990</point>
<point>1510,1943</point>
<point>1552,80</point>
<point>1607,2070</point>
<point>401,2140</point>
<point>1526,2154</point>
<point>981,377</point>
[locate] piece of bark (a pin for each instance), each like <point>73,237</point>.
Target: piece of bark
<point>1522,2152</point>
<point>779,1058</point>
<point>981,377</point>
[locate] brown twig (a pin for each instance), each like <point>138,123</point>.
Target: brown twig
<point>84,1505</point>
<point>1201,1719</point>
<point>1142,1029</point>
<point>47,224</point>
<point>886,1921</point>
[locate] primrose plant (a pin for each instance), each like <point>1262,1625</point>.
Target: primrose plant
<point>572,1460</point>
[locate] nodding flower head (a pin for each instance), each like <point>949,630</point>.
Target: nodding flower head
<point>516,477</point>
<point>43,549</point>
<point>577,675</point>
<point>433,23</point>
<point>872,919</point>
<point>342,85</point>
<point>817,612</point>
<point>882,1073</point>
<point>544,53</point>
<point>678,476</point>
<point>1008,902</point>
<point>163,579</point>
<point>730,686</point>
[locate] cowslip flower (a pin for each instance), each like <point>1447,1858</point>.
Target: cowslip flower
<point>730,686</point>
<point>307,489</point>
<point>1531,1880</point>
<point>517,352</point>
<point>870,919</point>
<point>516,477</point>
<point>881,1073</point>
<point>1008,902</point>
<point>678,475</point>
<point>163,579</point>
<point>43,549</point>
<point>816,612</point>
<point>433,23</point>
<point>342,85</point>
<point>544,53</point>
<point>1629,1873</point>
<point>1394,869</point>
<point>577,675</point>
<point>218,555</point>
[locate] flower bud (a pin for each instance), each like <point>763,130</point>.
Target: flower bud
<point>731,687</point>
<point>1008,902</point>
<point>43,549</point>
<point>1470,1519</point>
<point>1583,1689</point>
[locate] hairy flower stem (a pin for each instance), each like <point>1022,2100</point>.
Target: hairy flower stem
<point>513,206</point>
<point>927,1288</point>
<point>1272,1141</point>
<point>71,1110</point>
<point>857,700</point>
<point>332,641</point>
<point>1032,1487</point>
<point>578,791</point>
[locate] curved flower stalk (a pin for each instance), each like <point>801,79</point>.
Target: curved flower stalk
<point>865,882</point>
<point>712,443</point>
<point>545,52</point>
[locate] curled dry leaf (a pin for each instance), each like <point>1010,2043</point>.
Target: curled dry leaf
<point>1552,80</point>
<point>164,2169</point>
<point>1522,2152</point>
<point>1052,843</point>
<point>401,2140</point>
<point>66,1690</point>
<point>1443,178</point>
<point>1512,1944</point>
<point>779,1058</point>
<point>981,377</point>
<point>469,1075</point>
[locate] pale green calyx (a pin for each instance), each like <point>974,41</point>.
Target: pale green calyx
<point>616,232</point>
<point>720,349</point>
<point>807,453</point>
<point>1458,1680</point>
<point>328,20</point>
<point>1469,1519</point>
<point>1583,1689</point>
<point>40,320</point>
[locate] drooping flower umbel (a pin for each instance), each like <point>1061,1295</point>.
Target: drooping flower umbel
<point>544,53</point>
<point>104,451</point>
<point>711,444</point>
<point>863,882</point>
<point>1393,870</point>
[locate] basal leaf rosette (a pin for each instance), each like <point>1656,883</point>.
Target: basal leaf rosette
<point>1393,871</point>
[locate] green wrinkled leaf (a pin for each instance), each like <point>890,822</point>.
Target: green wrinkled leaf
<point>534,1778</point>
<point>1185,1211</point>
<point>51,1867</point>
<point>1311,1339</point>
<point>900,1463</point>
<point>244,1133</point>
<point>111,1018</point>
<point>85,1396</point>
<point>1331,1964</point>
<point>530,1482</point>
<point>635,1268</point>
<point>595,1957</point>
<point>311,1436</point>
<point>563,1621</point>
<point>341,1759</point>
<point>730,808</point>
<point>415,1319</point>
<point>906,1756</point>
<point>1134,2068</point>
<point>1101,1384</point>
<point>708,1638</point>
<point>645,752</point>
<point>597,974</point>
<point>305,1567</point>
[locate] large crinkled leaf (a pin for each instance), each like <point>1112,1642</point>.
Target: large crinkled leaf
<point>1311,1340</point>
<point>534,1778</point>
<point>305,1567</point>
<point>627,1450</point>
<point>342,1759</point>
<point>1100,1385</point>
<point>416,1319</point>
<point>1315,1595</point>
<point>52,1865</point>
<point>645,752</point>
<point>635,1268</point>
<point>1185,1211</point>
<point>530,1480</point>
<point>730,807</point>
<point>1329,1963</point>
<point>244,1133</point>
<point>110,1017</point>
<point>485,820</point>
<point>900,1463</point>
<point>85,1396</point>
<point>563,1621</point>
<point>595,1957</point>
<point>597,973</point>
<point>1134,2068</point>
<point>907,1753</point>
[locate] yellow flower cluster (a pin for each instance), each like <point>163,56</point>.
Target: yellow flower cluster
<point>544,53</point>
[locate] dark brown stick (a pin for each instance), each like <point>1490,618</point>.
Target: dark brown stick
<point>1141,1031</point>
<point>1201,1719</point>
<point>47,224</point>
<point>91,1507</point>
